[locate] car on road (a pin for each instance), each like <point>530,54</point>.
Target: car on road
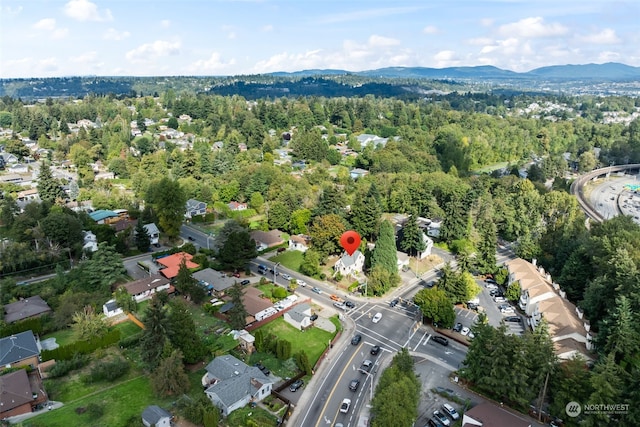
<point>513,319</point>
<point>457,327</point>
<point>450,411</point>
<point>296,385</point>
<point>346,404</point>
<point>335,297</point>
<point>440,340</point>
<point>393,303</point>
<point>377,318</point>
<point>375,350</point>
<point>274,272</point>
<point>301,283</point>
<point>465,331</point>
<point>356,339</point>
<point>349,304</point>
<point>442,418</point>
<point>354,384</point>
<point>317,290</point>
<point>191,238</point>
<point>340,305</point>
<point>366,366</point>
<point>245,282</point>
<point>285,276</point>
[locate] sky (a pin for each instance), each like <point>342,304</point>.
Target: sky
<point>53,38</point>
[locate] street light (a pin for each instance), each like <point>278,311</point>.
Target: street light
<point>369,376</point>
<point>208,236</point>
<point>274,272</point>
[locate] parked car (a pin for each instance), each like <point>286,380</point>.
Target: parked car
<point>375,350</point>
<point>442,418</point>
<point>356,339</point>
<point>263,368</point>
<point>349,304</point>
<point>514,319</point>
<point>346,404</point>
<point>377,318</point>
<point>499,299</point>
<point>280,250</point>
<point>317,290</point>
<point>491,286</point>
<point>473,306</point>
<point>457,327</point>
<point>393,303</point>
<point>506,309</point>
<point>434,423</point>
<point>366,366</point>
<point>465,331</point>
<point>245,282</point>
<point>496,293</point>
<point>450,411</point>
<point>236,275</point>
<point>314,317</point>
<point>274,272</point>
<point>296,385</point>
<point>301,283</point>
<point>440,340</point>
<point>354,384</point>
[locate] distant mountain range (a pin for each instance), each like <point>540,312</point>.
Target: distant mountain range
<point>610,71</point>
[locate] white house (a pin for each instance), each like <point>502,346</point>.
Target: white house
<point>90,241</point>
<point>349,265</point>
<point>428,246</point>
<point>299,316</point>
<point>143,289</point>
<point>153,232</point>
<point>299,242</point>
<point>237,206</point>
<point>231,384</point>
<point>195,207</point>
<point>111,309</point>
<point>155,416</point>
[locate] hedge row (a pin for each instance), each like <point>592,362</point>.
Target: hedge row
<point>67,352</point>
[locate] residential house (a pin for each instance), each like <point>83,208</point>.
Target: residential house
<point>18,168</point>
<point>195,207</point>
<point>540,299</point>
<point>153,232</point>
<point>155,416</point>
<point>90,241</point>
<point>245,340</point>
<point>299,242</point>
<point>236,206</point>
<point>490,415</point>
<point>214,281</point>
<point>143,289</point>
<point>104,216</point>
<point>267,239</point>
<point>231,384</point>
<point>299,316</point>
<point>27,196</point>
<point>111,309</point>
<point>10,158</point>
<point>350,265</point>
<point>357,173</point>
<point>367,139</point>
<point>26,308</point>
<point>21,393</point>
<point>172,263</point>
<point>20,349</point>
<point>253,302</point>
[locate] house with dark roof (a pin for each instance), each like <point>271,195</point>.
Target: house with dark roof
<point>143,289</point>
<point>20,393</point>
<point>26,308</point>
<point>490,415</point>
<point>172,263</point>
<point>214,281</point>
<point>104,216</point>
<point>153,232</point>
<point>20,349</point>
<point>231,384</point>
<point>299,316</point>
<point>349,265</point>
<point>267,239</point>
<point>195,207</point>
<point>111,309</point>
<point>155,416</point>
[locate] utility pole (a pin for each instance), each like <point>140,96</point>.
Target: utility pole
<point>544,391</point>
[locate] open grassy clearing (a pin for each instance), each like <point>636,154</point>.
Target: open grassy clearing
<point>290,259</point>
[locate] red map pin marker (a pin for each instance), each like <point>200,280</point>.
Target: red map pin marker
<point>350,241</point>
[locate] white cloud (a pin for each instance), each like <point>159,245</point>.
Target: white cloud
<point>113,34</point>
<point>487,22</point>
<point>47,24</point>
<point>430,29</point>
<point>48,65</point>
<point>85,57</point>
<point>380,41</point>
<point>84,10</point>
<point>232,35</point>
<point>60,33</point>
<point>608,56</point>
<point>480,41</point>
<point>362,15</point>
<point>533,27</point>
<point>211,65</point>
<point>165,23</point>
<point>267,28</point>
<point>150,51</point>
<point>606,36</point>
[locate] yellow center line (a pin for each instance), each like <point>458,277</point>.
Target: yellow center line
<point>347,365</point>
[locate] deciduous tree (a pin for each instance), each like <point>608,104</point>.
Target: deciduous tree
<point>170,378</point>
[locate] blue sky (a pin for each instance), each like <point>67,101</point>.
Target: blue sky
<point>51,38</point>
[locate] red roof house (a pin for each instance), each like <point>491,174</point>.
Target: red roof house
<point>172,264</point>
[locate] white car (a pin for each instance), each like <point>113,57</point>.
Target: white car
<point>301,283</point>
<point>377,318</point>
<point>285,276</point>
<point>346,404</point>
<point>507,310</point>
<point>450,410</point>
<point>465,331</point>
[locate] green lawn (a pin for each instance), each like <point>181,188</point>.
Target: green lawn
<point>313,341</point>
<point>290,259</point>
<point>63,336</point>
<point>127,329</point>
<point>261,418</point>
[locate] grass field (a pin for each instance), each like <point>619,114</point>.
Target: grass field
<point>63,336</point>
<point>290,259</point>
<point>313,341</point>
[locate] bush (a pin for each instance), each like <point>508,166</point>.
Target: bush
<point>63,367</point>
<point>131,340</point>
<point>107,371</point>
<point>279,292</point>
<point>95,410</point>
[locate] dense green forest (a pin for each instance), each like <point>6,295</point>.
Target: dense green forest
<point>431,166</point>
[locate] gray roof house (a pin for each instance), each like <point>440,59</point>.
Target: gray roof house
<point>231,384</point>
<point>299,316</point>
<point>350,264</point>
<point>214,280</point>
<point>195,207</point>
<point>153,232</point>
<point>19,350</point>
<point>26,308</point>
<point>155,416</point>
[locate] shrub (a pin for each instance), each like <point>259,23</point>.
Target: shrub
<point>95,410</point>
<point>279,292</point>
<point>107,371</point>
<point>63,367</point>
<point>131,340</point>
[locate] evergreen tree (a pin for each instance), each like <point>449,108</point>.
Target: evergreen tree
<point>154,337</point>
<point>169,202</point>
<point>366,212</point>
<point>238,249</point>
<point>238,313</point>
<point>384,254</point>
<point>49,188</point>
<point>487,230</point>
<point>182,332</point>
<point>331,201</point>
<point>411,237</point>
<point>141,236</point>
<point>103,269</point>
<point>170,378</point>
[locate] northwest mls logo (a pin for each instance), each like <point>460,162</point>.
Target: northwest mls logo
<point>573,409</point>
